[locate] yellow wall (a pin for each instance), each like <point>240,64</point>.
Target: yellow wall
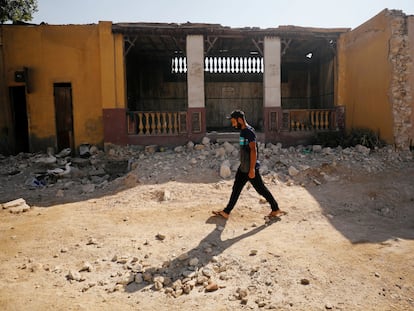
<point>364,76</point>
<point>87,56</point>
<point>112,67</point>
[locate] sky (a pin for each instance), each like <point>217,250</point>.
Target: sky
<point>232,13</point>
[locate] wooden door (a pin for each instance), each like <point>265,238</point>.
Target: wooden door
<point>20,120</point>
<point>63,115</point>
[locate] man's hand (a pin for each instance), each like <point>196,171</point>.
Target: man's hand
<point>253,158</point>
<point>252,174</point>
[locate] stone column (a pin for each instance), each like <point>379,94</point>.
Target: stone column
<point>272,72</point>
<point>271,88</point>
<point>195,86</point>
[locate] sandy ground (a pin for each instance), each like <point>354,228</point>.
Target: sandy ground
<point>346,244</point>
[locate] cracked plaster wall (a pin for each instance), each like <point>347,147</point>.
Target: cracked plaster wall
<point>375,77</point>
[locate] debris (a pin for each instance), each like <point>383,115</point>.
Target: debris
<point>151,149</point>
<point>193,261</point>
<point>46,160</point>
<point>86,267</point>
<point>13,203</point>
<point>293,171</point>
<point>205,141</point>
<point>253,252</point>
<point>64,153</point>
<point>16,206</point>
<point>59,171</point>
<point>84,150</point>
<point>160,237</point>
<point>211,287</point>
<point>225,170</point>
<point>74,275</point>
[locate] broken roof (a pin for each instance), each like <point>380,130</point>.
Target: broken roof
<point>170,38</point>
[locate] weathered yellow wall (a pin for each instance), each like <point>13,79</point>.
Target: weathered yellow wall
<point>112,67</point>
<point>87,56</point>
<point>364,76</point>
<point>119,71</point>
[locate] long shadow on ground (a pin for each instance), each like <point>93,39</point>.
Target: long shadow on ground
<point>209,247</point>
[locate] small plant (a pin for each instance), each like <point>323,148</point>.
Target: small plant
<point>363,136</point>
<point>351,138</point>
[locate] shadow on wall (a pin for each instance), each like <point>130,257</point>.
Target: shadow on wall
<point>4,141</point>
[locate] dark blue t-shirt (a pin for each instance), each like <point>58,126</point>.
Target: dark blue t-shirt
<point>247,135</point>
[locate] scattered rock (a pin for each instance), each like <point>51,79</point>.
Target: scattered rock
<point>74,275</point>
<point>86,267</point>
<point>16,206</point>
<point>193,262</point>
<point>166,195</point>
<point>293,171</point>
<point>316,148</point>
<point>205,141</point>
<point>92,241</point>
<point>151,149</point>
<point>207,272</point>
<point>160,237</point>
<point>225,170</point>
<point>211,287</point>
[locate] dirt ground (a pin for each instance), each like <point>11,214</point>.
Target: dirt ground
<point>152,244</point>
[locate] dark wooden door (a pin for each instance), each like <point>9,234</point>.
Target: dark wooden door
<point>63,115</point>
<point>19,113</point>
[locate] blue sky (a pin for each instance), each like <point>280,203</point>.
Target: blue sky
<point>233,13</point>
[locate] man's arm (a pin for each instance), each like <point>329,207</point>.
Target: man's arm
<point>253,159</point>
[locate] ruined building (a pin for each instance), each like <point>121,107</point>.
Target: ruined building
<point>145,83</point>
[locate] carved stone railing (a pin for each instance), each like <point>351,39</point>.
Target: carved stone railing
<point>156,122</point>
<point>310,120</point>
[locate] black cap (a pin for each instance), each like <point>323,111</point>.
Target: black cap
<point>236,114</point>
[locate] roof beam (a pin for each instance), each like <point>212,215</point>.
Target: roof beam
<point>210,44</point>
<point>256,44</point>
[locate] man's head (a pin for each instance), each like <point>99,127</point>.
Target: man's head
<point>237,119</point>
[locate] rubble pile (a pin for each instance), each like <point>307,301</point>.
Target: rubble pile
<point>62,174</point>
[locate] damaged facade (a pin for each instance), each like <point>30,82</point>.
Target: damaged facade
<point>140,83</point>
<point>376,77</point>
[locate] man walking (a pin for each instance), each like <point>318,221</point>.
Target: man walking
<point>248,169</point>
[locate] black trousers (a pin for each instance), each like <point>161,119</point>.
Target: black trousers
<point>240,180</point>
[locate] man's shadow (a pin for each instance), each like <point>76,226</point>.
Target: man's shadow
<point>179,268</point>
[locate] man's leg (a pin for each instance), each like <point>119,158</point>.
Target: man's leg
<point>261,188</point>
<point>239,181</point>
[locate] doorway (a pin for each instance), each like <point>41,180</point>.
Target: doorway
<point>63,115</point>
<point>20,120</point>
